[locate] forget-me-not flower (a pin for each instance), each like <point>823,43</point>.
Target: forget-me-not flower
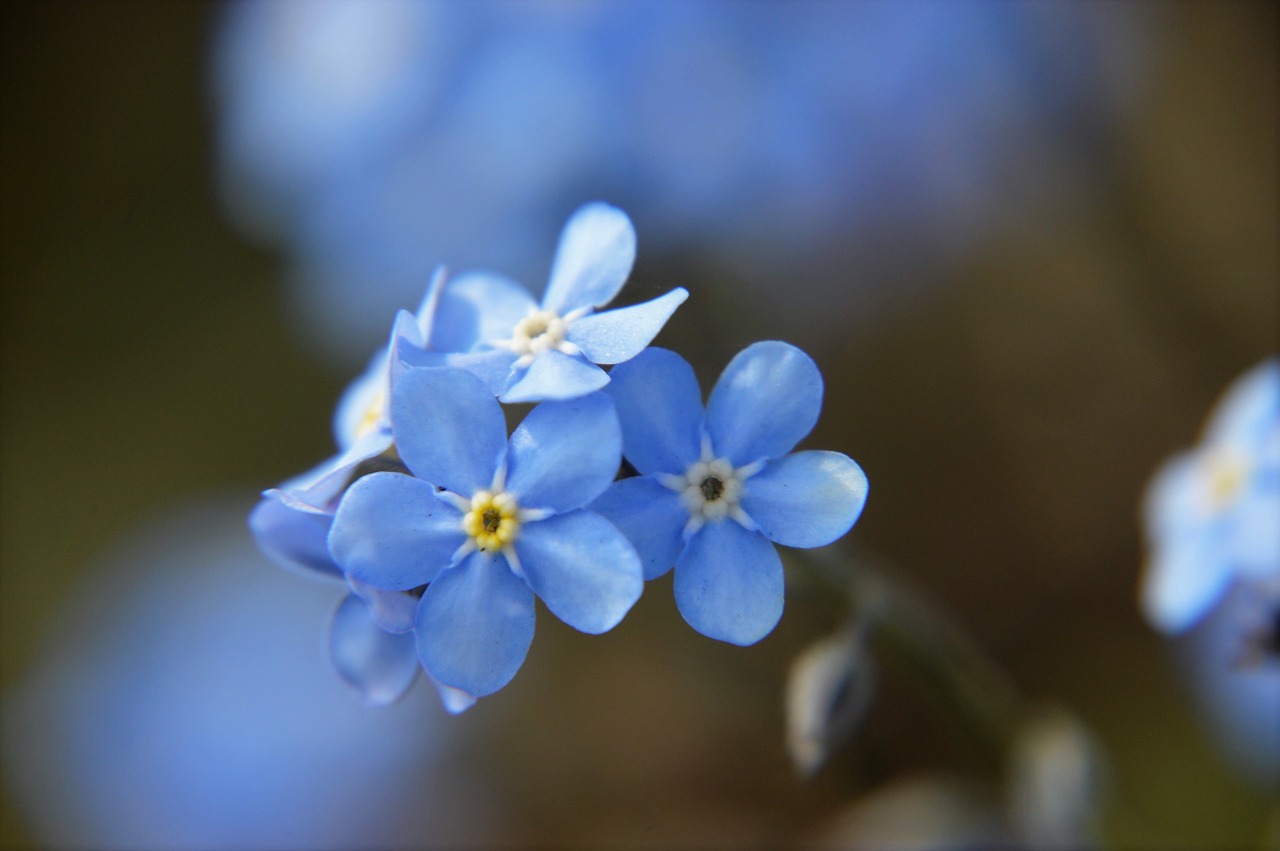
<point>529,352</point>
<point>718,488</point>
<point>1213,514</point>
<point>485,524</point>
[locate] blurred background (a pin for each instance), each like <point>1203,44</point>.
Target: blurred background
<point>1029,244</point>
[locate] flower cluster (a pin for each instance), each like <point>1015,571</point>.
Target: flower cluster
<point>1212,514</point>
<point>445,528</point>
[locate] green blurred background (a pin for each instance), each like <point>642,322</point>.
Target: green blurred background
<point>1008,423</point>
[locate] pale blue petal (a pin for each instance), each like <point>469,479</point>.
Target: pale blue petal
<point>555,375</point>
<point>564,454</point>
<point>364,398</point>
<point>295,540</point>
<point>619,335</point>
<point>583,568</point>
<point>380,665</point>
<point>475,625</point>
<point>660,408</point>
<point>392,611</point>
<point>1248,408</point>
<point>476,308</point>
<point>651,516</point>
<point>729,583</point>
<point>597,249</point>
<point>1184,578</point>
<point>455,700</point>
<point>425,318</point>
<point>767,399</point>
<point>449,430</point>
<point>393,532</point>
<point>492,366</point>
<point>1257,534</point>
<point>808,499</point>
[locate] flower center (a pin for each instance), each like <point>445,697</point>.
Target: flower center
<point>1225,475</point>
<point>373,416</point>
<point>711,489</point>
<point>493,522</point>
<point>538,332</point>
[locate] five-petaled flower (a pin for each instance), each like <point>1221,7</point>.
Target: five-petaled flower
<point>485,524</point>
<point>529,352</point>
<point>718,488</point>
<point>1211,514</point>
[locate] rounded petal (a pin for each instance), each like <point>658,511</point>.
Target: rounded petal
<point>651,516</point>
<point>807,499</point>
<point>555,375</point>
<point>619,335</point>
<point>564,454</point>
<point>362,405</point>
<point>392,532</point>
<point>583,568</point>
<point>729,583</point>
<point>767,399</point>
<point>478,307</point>
<point>660,409</point>
<point>1249,408</point>
<point>596,252</point>
<point>391,611</point>
<point>380,665</point>
<point>1184,579</point>
<point>295,540</point>
<point>475,625</point>
<point>449,430</point>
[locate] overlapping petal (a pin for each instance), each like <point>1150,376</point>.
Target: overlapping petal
<point>393,532</point>
<point>391,611</point>
<point>596,252</point>
<point>491,366</point>
<point>564,454</point>
<point>475,624</point>
<point>807,499</point>
<point>651,516</point>
<point>449,430</point>
<point>583,568</point>
<point>1185,577</point>
<point>619,335</point>
<point>295,540</point>
<point>479,307</point>
<point>554,375</point>
<point>378,664</point>
<point>660,408</point>
<point>767,399</point>
<point>729,583</point>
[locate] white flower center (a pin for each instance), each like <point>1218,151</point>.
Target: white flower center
<point>711,489</point>
<point>542,331</point>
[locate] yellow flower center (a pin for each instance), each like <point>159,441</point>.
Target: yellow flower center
<point>1224,476</point>
<point>538,332</point>
<point>373,415</point>
<point>493,521</point>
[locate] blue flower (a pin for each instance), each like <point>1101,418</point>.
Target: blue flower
<point>717,489</point>
<point>528,352</point>
<point>1211,513</point>
<point>486,523</point>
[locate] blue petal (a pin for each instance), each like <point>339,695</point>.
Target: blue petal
<point>808,499</point>
<point>455,700</point>
<point>362,403</point>
<point>619,335</point>
<point>555,375</point>
<point>583,568</point>
<point>564,454</point>
<point>1184,578</point>
<point>380,665</point>
<point>729,583</point>
<point>449,430</point>
<point>492,366</point>
<point>651,516</point>
<point>392,611</point>
<point>475,625</point>
<point>295,540</point>
<point>425,318</point>
<point>478,307</point>
<point>660,408</point>
<point>767,399</point>
<point>597,249</point>
<point>1248,408</point>
<point>393,532</point>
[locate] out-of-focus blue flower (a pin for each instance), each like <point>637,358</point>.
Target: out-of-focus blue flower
<point>718,489</point>
<point>528,352</point>
<point>1213,514</point>
<point>375,139</point>
<point>486,523</point>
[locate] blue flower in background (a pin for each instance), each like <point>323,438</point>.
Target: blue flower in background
<point>1211,513</point>
<point>718,488</point>
<point>486,523</point>
<point>528,352</point>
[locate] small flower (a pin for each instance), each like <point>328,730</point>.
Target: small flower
<point>717,489</point>
<point>1211,513</point>
<point>529,352</point>
<point>486,523</point>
